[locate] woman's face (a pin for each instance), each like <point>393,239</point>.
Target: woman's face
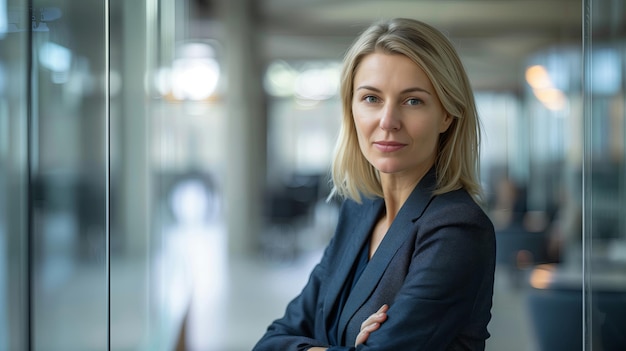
<point>397,114</point>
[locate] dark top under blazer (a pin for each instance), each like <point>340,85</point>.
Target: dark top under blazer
<point>434,267</point>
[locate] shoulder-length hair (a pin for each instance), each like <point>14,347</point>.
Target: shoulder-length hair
<point>458,150</point>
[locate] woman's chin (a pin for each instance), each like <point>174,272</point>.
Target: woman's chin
<point>387,168</point>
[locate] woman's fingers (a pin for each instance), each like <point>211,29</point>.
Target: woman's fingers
<point>365,333</point>
<point>377,317</point>
<point>371,324</point>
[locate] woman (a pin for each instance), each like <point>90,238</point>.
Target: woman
<point>411,264</point>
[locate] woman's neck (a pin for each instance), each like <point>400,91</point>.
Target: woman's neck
<point>396,191</point>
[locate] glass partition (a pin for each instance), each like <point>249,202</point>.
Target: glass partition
<point>86,260</point>
<point>69,166</point>
<point>604,176</point>
<point>14,263</point>
<point>576,295</point>
<point>151,286</point>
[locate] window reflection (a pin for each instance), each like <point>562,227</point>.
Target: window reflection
<point>13,176</point>
<point>68,189</point>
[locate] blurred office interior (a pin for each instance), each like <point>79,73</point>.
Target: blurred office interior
<point>164,165</point>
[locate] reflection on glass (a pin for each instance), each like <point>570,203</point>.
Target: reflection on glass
<point>68,165</point>
<point>13,175</point>
<point>163,139</point>
<point>605,177</point>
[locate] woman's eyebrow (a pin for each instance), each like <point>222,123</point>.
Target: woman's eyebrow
<point>407,90</point>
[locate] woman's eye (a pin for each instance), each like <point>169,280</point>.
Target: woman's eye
<point>371,99</point>
<point>413,101</point>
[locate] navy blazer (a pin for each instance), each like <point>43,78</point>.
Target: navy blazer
<point>434,268</point>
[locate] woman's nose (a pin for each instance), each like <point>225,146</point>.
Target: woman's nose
<point>389,120</point>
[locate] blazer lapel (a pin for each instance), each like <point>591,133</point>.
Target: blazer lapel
<point>396,235</point>
<point>361,232</point>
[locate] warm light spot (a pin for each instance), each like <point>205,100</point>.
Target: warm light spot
<point>540,81</point>
<point>541,277</point>
<point>538,78</point>
<point>551,98</point>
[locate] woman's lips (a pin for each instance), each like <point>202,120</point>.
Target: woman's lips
<point>388,146</point>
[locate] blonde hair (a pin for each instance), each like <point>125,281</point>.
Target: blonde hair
<point>458,150</point>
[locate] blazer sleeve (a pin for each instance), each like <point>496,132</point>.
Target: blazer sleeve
<point>296,329</point>
<point>449,286</point>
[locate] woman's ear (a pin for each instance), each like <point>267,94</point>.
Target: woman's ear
<point>445,123</point>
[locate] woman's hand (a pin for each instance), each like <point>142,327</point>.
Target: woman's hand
<point>372,323</point>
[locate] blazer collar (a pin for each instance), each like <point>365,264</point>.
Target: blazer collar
<point>397,234</point>
<point>367,216</point>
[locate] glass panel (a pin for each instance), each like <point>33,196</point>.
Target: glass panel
<point>550,258</point>
<point>531,169</point>
<point>155,137</point>
<point>130,293</point>
<point>14,37</point>
<point>605,175</point>
<point>69,166</point>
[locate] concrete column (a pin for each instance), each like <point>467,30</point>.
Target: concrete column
<point>245,149</point>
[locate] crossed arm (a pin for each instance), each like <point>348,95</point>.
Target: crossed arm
<point>371,324</point>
